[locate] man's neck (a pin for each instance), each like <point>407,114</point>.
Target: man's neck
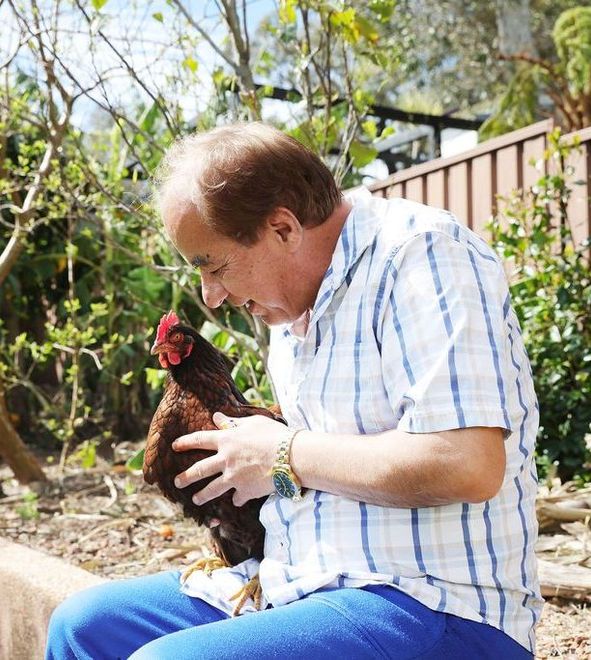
<point>316,255</point>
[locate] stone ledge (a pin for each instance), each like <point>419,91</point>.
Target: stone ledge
<point>32,585</point>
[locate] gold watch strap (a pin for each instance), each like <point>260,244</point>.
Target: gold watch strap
<point>285,448</point>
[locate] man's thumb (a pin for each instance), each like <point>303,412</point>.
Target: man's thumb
<point>222,421</point>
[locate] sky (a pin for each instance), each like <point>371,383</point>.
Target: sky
<point>151,55</point>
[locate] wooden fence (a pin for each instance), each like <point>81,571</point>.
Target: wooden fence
<point>470,183</point>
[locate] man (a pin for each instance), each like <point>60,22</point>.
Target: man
<point>400,521</point>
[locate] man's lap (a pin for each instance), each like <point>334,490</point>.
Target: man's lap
<point>150,618</point>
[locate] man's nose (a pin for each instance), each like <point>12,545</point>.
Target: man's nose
<point>213,293</point>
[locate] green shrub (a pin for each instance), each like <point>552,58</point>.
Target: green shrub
<point>551,294</point>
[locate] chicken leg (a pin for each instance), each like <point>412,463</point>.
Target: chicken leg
<point>251,590</point>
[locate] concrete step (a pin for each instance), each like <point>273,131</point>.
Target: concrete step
<point>31,585</point>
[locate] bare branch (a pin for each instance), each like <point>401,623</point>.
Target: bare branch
<point>131,72</point>
<point>8,61</point>
<point>204,35</point>
<point>57,128</point>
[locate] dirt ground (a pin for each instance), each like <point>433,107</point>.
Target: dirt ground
<point>107,521</point>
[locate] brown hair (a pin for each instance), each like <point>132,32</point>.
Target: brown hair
<point>235,176</point>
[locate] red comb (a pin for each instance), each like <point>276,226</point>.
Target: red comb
<point>166,322</point>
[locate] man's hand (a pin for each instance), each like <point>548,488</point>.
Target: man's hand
<point>246,448</point>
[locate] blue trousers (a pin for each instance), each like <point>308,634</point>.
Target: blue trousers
<point>148,618</point>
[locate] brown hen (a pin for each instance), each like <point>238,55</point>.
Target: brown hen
<point>199,383</point>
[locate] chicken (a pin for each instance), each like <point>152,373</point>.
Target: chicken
<point>199,383</point>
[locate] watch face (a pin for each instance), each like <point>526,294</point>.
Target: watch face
<point>284,485</point>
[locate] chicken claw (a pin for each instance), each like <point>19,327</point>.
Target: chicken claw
<point>252,589</point>
<point>205,564</point>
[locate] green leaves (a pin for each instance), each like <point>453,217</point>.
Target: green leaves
<point>98,4</point>
<point>190,64</point>
<point>572,37</point>
<point>551,294</point>
<point>287,11</point>
<point>136,462</point>
<point>362,154</point>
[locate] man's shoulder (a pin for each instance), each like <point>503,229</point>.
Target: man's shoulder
<point>399,219</point>
<point>403,219</point>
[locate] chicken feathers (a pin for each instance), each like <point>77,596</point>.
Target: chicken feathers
<point>199,383</point>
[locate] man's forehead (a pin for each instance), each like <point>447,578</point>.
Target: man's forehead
<point>182,224</point>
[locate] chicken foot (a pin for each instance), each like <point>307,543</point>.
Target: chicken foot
<point>251,590</point>
<point>206,564</point>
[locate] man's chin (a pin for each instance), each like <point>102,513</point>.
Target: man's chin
<point>271,317</point>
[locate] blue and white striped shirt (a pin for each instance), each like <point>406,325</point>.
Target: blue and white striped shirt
<point>412,329</point>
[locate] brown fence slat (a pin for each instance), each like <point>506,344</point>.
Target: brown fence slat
<point>397,190</point>
<point>532,150</point>
<point>436,189</point>
<point>458,195</point>
<point>508,170</point>
<point>482,192</point>
<point>414,190</point>
<point>578,206</point>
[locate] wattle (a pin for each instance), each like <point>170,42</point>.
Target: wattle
<point>174,358</point>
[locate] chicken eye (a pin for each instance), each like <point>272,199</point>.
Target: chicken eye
<point>177,336</point>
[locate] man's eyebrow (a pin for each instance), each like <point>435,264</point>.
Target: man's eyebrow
<point>197,261</point>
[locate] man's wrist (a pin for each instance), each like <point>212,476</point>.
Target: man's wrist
<point>286,483</point>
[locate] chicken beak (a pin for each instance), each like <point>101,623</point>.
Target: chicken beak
<point>158,348</point>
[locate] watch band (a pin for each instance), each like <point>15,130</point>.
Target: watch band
<point>285,448</point>
<point>286,482</point>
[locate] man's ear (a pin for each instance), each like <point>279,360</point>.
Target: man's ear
<point>286,226</point>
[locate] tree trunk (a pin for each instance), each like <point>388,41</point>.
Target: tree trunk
<point>514,27</point>
<point>13,450</point>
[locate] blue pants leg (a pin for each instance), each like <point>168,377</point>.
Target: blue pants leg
<point>114,619</point>
<point>149,619</point>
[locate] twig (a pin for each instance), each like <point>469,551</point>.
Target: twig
<point>10,499</point>
<point>112,490</point>
<point>110,523</point>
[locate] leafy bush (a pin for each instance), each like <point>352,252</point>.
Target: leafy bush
<point>551,294</point>
<point>78,310</point>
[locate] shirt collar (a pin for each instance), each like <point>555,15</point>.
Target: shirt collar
<point>358,232</point>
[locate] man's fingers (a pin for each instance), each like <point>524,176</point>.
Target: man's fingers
<point>208,467</point>
<point>239,500</point>
<point>197,440</point>
<point>214,489</point>
<point>223,421</point>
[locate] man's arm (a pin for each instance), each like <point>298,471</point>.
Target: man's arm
<point>393,468</point>
<point>401,469</point>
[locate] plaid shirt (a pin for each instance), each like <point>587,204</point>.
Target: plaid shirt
<point>412,329</point>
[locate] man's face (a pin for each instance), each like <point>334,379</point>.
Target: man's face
<point>255,276</point>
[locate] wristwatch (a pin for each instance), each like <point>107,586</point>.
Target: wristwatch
<point>284,479</point>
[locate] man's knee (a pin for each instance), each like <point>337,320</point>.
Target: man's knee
<point>70,621</point>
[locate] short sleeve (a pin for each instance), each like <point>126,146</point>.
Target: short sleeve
<point>445,345</point>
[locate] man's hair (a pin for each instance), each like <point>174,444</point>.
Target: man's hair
<point>235,176</point>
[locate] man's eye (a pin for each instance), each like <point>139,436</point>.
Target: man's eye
<point>218,271</point>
